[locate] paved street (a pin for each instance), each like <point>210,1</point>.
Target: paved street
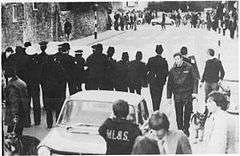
<point>145,39</point>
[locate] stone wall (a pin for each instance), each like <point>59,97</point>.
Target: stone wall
<point>45,21</point>
<point>12,30</point>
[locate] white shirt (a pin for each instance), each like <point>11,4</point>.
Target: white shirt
<point>215,137</point>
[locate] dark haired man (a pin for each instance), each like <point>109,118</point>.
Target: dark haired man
<point>169,141</point>
<point>182,83</point>
<point>157,71</point>
<point>118,132</point>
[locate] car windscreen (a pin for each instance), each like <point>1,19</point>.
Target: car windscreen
<point>92,113</point>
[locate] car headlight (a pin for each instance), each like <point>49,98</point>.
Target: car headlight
<point>44,151</point>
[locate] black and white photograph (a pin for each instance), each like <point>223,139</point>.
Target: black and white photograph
<point>116,77</point>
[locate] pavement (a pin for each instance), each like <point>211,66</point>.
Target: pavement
<point>172,39</point>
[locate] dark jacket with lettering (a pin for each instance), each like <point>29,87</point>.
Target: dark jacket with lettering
<point>182,80</point>
<point>157,68</point>
<point>211,72</point>
<point>120,135</point>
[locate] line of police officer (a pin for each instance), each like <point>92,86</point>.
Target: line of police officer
<point>54,72</point>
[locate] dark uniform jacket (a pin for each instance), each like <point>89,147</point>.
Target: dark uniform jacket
<point>212,69</point>
<point>79,69</point>
<point>192,61</point>
<point>20,60</point>
<point>96,63</point>
<point>157,68</point>
<point>181,80</point>
<point>110,74</point>
<point>122,73</point>
<point>120,135</point>
<point>16,102</point>
<point>33,68</point>
<point>137,72</point>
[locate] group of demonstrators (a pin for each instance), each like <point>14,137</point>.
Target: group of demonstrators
<point>24,73</point>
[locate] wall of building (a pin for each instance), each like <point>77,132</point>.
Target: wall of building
<point>45,21</point>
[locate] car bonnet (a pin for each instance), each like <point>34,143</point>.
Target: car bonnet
<point>61,140</point>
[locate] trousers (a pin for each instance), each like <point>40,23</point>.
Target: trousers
<point>209,87</point>
<point>156,95</point>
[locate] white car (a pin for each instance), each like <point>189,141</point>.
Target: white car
<point>158,21</point>
<point>76,130</point>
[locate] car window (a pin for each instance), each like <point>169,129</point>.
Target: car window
<point>142,112</point>
<point>89,112</point>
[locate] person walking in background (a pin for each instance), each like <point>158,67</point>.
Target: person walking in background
<point>67,29</point>
<point>137,74</point>
<point>119,125</point>
<point>182,83</point>
<point>213,73</point>
<point>122,73</point>
<point>168,141</point>
<point>163,21</point>
<point>157,71</point>
<point>122,22</point>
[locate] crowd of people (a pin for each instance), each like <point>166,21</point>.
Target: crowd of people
<point>129,19</point>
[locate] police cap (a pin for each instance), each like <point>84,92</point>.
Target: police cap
<point>43,43</point>
<point>65,46</point>
<point>9,49</point>
<point>27,44</point>
<point>78,51</point>
<point>159,49</point>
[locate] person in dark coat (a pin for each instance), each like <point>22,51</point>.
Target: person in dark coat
<point>16,103</point>
<point>122,21</point>
<point>20,60</point>
<point>213,74</point>
<point>68,64</point>
<point>182,83</point>
<point>116,18</point>
<point>53,82</point>
<point>163,21</point>
<point>137,74</point>
<point>67,28</point>
<point>96,63</point>
<point>119,126</point>
<point>122,73</point>
<point>157,71</point>
<point>80,75</point>
<point>110,74</point>
<point>192,61</point>
<point>7,59</point>
<point>33,83</point>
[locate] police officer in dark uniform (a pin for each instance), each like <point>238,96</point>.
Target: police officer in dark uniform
<point>110,74</point>
<point>137,74</point>
<point>69,68</point>
<point>157,71</point>
<point>47,82</point>
<point>80,75</point>
<point>122,73</point>
<point>119,133</point>
<point>190,59</point>
<point>182,83</point>
<point>97,64</point>
<point>33,82</point>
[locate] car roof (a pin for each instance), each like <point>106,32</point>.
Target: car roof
<point>107,96</point>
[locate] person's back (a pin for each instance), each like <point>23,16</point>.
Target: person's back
<point>212,69</point>
<point>120,135</point>
<point>97,64</point>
